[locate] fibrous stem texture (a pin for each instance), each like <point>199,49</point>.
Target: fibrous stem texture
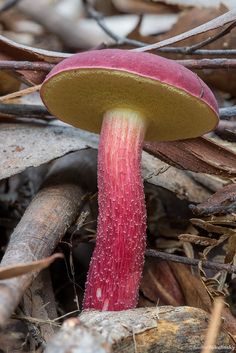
<point>117,262</point>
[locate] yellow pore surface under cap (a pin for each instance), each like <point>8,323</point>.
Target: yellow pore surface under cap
<point>80,97</point>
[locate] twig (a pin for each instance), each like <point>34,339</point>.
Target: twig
<point>25,65</point>
<point>120,40</point>
<point>211,39</point>
<point>190,50</point>
<point>215,23</point>
<point>214,326</point>
<point>49,215</point>
<point>215,63</point>
<point>192,262</point>
<point>205,52</point>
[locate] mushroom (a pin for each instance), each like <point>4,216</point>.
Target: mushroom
<point>131,95</point>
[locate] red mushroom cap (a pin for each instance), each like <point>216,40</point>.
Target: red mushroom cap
<point>175,101</point>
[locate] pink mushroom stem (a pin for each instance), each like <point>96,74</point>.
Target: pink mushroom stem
<point>117,262</point>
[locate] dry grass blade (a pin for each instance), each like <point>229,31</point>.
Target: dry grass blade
<point>34,266</point>
<point>19,94</point>
<point>214,326</point>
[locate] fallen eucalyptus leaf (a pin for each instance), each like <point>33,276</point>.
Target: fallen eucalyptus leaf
<point>13,50</point>
<point>10,50</point>
<point>25,145</point>
<point>30,145</point>
<point>21,269</point>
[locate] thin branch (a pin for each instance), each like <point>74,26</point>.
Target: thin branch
<point>184,50</point>
<point>26,65</point>
<point>201,64</point>
<point>196,64</point>
<point>211,39</point>
<point>99,18</point>
<point>192,262</point>
<point>192,50</point>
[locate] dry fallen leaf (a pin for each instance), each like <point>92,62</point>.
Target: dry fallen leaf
<point>159,284</point>
<point>10,50</point>
<point>30,145</point>
<point>198,240</point>
<point>36,144</point>
<point>8,83</point>
<point>194,292</point>
<point>211,227</point>
<point>21,269</point>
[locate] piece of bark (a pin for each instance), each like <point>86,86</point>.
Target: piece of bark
<point>158,329</point>
<point>198,155</point>
<point>49,215</point>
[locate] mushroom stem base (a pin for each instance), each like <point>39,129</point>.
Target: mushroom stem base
<point>116,266</point>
